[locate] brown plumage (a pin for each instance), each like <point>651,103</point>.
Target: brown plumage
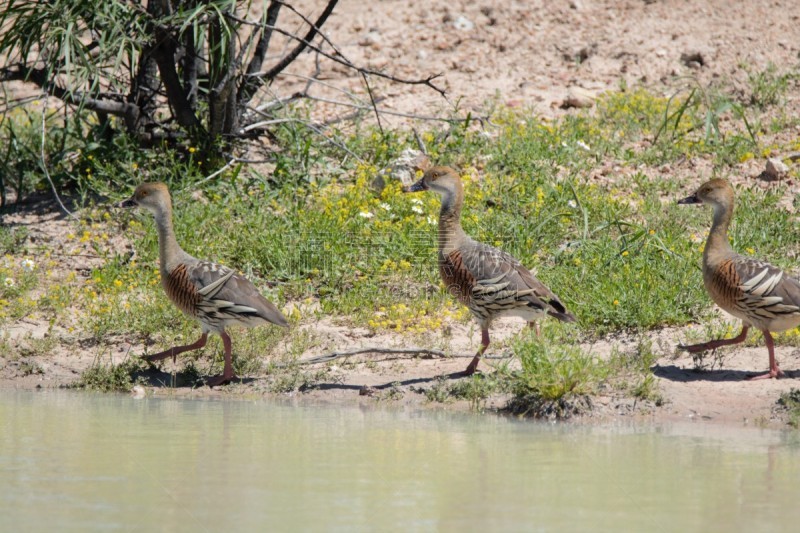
<point>214,295</point>
<point>759,294</point>
<point>490,282</point>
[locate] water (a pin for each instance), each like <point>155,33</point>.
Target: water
<point>84,462</point>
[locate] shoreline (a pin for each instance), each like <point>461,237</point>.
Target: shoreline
<point>685,395</point>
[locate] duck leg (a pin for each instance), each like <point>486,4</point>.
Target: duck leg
<point>774,371</point>
<point>175,350</point>
<point>716,343</point>
<point>227,371</point>
<point>475,360</point>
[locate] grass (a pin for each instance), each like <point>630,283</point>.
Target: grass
<point>316,229</point>
<point>791,402</point>
<point>476,389</point>
<point>110,378</point>
<point>556,377</point>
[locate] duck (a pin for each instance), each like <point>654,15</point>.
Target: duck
<point>759,294</point>
<point>214,295</point>
<point>489,281</point>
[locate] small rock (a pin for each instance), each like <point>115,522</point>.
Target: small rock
<point>462,23</point>
<point>578,97</point>
<point>371,39</point>
<point>693,59</point>
<point>576,5</point>
<point>776,168</point>
<point>366,390</point>
<point>199,197</point>
<point>379,62</point>
<point>582,54</point>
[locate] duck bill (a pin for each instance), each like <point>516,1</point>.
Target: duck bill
<point>417,187</point>
<point>130,202</point>
<point>693,199</point>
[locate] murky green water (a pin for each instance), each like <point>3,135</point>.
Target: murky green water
<point>83,462</point>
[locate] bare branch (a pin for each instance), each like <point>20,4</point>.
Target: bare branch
<point>303,43</point>
<point>387,112</point>
<point>428,81</point>
<point>164,54</point>
<point>338,355</point>
<point>374,104</point>
<point>44,164</point>
<point>312,80</point>
<point>338,57</point>
<point>38,76</point>
<point>316,129</point>
<point>250,85</point>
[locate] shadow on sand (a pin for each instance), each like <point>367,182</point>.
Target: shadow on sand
<point>683,375</point>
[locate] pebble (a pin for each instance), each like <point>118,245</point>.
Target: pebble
<point>693,59</point>
<point>371,39</point>
<point>578,97</point>
<point>462,23</point>
<point>776,168</point>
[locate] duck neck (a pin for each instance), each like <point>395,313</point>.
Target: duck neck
<point>451,235</point>
<point>717,244</point>
<point>169,251</point>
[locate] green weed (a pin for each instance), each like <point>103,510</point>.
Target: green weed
<point>791,402</point>
<point>110,378</point>
<point>556,378</point>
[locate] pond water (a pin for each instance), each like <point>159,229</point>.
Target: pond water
<point>85,462</point>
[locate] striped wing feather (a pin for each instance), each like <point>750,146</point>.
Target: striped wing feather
<point>490,281</point>
<point>226,296</point>
<point>765,292</point>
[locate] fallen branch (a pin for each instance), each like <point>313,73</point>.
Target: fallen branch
<point>325,358</point>
<point>338,355</point>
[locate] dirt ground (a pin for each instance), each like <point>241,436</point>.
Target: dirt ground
<point>519,53</point>
<point>531,53</point>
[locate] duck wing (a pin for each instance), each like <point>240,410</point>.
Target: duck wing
<point>761,290</point>
<point>226,295</point>
<point>493,280</point>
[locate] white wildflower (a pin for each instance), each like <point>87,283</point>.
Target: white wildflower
<point>431,220</point>
<point>572,203</point>
<point>385,207</point>
<point>416,201</point>
<point>9,282</point>
<point>417,209</point>
<point>366,214</point>
<point>583,145</point>
<point>27,265</point>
